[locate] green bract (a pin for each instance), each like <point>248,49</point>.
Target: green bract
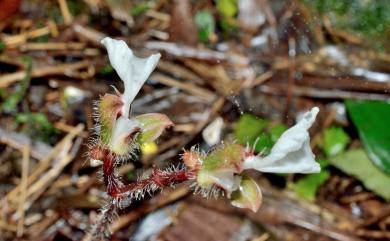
<point>108,109</point>
<point>152,125</point>
<point>228,157</point>
<point>248,195</point>
<point>219,166</point>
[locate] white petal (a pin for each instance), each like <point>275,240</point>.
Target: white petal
<point>291,153</point>
<point>122,129</point>
<point>132,70</point>
<point>225,180</point>
<point>212,133</point>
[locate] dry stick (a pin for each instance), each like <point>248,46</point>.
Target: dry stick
<point>39,187</point>
<point>8,227</point>
<point>37,229</point>
<point>322,93</point>
<point>17,140</point>
<point>16,40</point>
<point>179,71</point>
<point>258,80</point>
<point>188,87</point>
<point>263,237</point>
<point>45,163</point>
<point>8,79</point>
<point>68,128</point>
<point>89,34</point>
<point>68,18</point>
<point>373,234</point>
<point>23,189</point>
<point>370,221</point>
<point>215,76</point>
<point>198,53</point>
<point>153,204</point>
<point>53,46</point>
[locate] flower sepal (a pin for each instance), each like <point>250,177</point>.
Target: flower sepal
<point>108,110</point>
<point>152,126</point>
<point>248,195</point>
<point>123,136</point>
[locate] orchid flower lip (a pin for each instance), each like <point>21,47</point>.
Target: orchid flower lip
<point>291,153</point>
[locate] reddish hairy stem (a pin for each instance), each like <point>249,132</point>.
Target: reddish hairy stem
<point>110,179</point>
<point>158,179</point>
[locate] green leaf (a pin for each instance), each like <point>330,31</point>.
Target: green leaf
<point>307,186</point>
<point>11,102</point>
<point>2,46</point>
<point>323,163</point>
<point>139,9</point>
<point>276,131</point>
<point>206,25</point>
<point>36,125</point>
<point>249,128</point>
<point>257,132</point>
<point>264,143</point>
<point>228,8</point>
<point>357,164</point>
<point>335,141</point>
<point>248,195</point>
<point>153,124</point>
<point>107,69</point>
<point>372,119</point>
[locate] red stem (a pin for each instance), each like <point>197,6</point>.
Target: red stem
<point>158,179</point>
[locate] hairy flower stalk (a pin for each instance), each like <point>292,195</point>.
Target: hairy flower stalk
<point>222,170</point>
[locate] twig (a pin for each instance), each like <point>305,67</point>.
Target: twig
<point>23,189</point>
<point>37,189</point>
<point>155,203</point>
<point>17,140</point>
<point>68,18</point>
<point>324,94</point>
<point>384,213</point>
<point>16,40</point>
<point>68,128</point>
<point>65,69</point>
<point>179,71</point>
<point>191,52</point>
<point>263,237</point>
<point>202,93</point>
<point>37,229</point>
<point>45,163</point>
<point>52,46</point>
<point>258,80</point>
<point>373,234</point>
<point>8,227</point>
<point>89,34</point>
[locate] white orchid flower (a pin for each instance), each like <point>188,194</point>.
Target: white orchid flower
<point>291,153</point>
<point>118,133</point>
<point>123,131</point>
<point>132,70</point>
